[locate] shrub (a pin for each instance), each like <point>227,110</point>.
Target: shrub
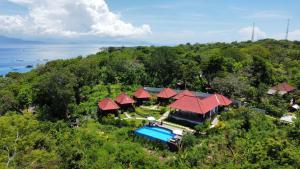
<point>188,140</point>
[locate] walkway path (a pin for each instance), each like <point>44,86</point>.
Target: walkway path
<point>127,115</point>
<point>164,116</point>
<point>151,107</point>
<point>165,123</point>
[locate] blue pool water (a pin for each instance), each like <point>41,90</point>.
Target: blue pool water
<point>155,133</point>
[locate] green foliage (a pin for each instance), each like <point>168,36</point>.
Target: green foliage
<point>261,71</point>
<point>188,141</point>
<point>8,102</point>
<point>53,92</point>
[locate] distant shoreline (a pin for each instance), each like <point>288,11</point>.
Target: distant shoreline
<point>20,57</point>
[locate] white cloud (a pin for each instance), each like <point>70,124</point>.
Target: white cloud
<point>11,23</point>
<point>269,14</point>
<point>294,35</point>
<point>68,18</point>
<point>246,33</point>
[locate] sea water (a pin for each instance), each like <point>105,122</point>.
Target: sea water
<point>16,58</point>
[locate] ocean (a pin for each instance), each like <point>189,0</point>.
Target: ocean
<point>17,58</point>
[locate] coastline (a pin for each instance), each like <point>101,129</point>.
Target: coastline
<point>25,57</point>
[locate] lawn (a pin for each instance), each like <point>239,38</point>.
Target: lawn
<point>147,112</point>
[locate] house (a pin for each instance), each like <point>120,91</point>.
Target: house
<point>124,101</point>
<point>184,93</point>
<point>282,89</point>
<point>108,106</point>
<point>166,94</point>
<point>141,95</point>
<point>194,110</point>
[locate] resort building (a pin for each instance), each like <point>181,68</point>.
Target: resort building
<point>194,110</point>
<point>156,90</point>
<point>141,95</point>
<point>124,101</point>
<point>282,89</point>
<point>165,95</point>
<point>107,106</point>
<point>184,93</point>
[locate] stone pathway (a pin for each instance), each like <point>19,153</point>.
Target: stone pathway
<point>164,116</point>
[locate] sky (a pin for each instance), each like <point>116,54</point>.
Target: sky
<point>153,21</point>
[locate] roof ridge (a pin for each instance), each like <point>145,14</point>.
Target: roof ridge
<point>216,96</point>
<point>198,101</point>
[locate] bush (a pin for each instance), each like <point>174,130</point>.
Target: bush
<point>188,141</point>
<point>220,125</point>
<point>202,127</point>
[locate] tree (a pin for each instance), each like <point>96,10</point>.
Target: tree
<point>216,67</point>
<point>261,71</point>
<point>8,102</point>
<point>190,74</point>
<point>23,143</point>
<point>53,92</point>
<point>162,66</point>
<point>232,85</point>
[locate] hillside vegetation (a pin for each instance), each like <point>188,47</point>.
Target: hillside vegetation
<point>49,119</point>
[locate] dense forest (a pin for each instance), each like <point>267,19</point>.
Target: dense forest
<point>49,117</point>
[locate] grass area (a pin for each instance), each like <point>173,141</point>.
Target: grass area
<point>147,112</point>
<point>122,116</point>
<point>134,115</point>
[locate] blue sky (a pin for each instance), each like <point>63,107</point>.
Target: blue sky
<point>156,21</point>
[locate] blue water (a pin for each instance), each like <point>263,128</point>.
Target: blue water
<point>156,133</point>
<point>15,58</point>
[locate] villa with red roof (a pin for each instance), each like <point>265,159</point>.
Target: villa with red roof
<point>282,89</point>
<point>166,94</point>
<point>124,101</point>
<point>194,110</point>
<point>107,106</point>
<point>184,93</point>
<point>141,95</point>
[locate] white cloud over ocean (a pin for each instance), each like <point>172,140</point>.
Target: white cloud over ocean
<point>69,18</point>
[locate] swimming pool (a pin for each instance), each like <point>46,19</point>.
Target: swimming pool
<point>154,132</point>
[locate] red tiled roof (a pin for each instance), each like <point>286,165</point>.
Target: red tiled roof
<point>283,87</point>
<point>108,104</point>
<point>200,106</point>
<point>184,93</point>
<point>220,99</point>
<point>142,94</point>
<point>192,104</point>
<point>166,93</point>
<point>124,99</point>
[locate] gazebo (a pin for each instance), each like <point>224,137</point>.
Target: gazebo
<point>107,106</point>
<point>141,95</point>
<point>166,94</point>
<point>184,93</point>
<point>124,101</point>
<point>282,89</point>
